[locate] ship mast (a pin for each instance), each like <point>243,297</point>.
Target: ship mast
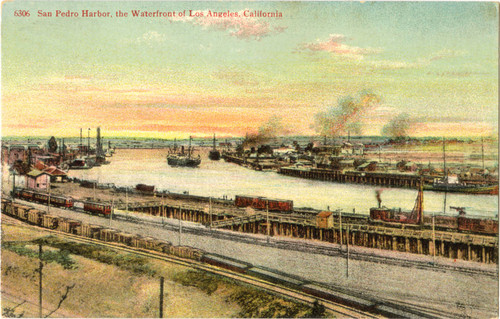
<point>444,160</point>
<point>482,152</point>
<point>445,178</point>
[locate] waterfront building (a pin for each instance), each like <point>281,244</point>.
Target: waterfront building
<point>38,180</point>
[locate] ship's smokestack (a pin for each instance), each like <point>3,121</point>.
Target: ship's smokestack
<point>379,199</point>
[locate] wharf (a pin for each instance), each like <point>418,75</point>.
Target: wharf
<point>253,163</point>
<point>354,230</point>
<point>368,178</point>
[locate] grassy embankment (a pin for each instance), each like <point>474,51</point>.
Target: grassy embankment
<point>100,282</point>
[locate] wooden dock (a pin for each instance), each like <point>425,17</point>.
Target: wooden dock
<point>355,231</point>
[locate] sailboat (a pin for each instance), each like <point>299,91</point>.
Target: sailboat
<point>214,153</point>
<point>452,184</point>
<point>183,159</point>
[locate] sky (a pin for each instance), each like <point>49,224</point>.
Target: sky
<point>165,77</point>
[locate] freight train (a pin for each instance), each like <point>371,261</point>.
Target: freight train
<point>381,216</point>
<point>396,218</point>
<point>43,198</point>
<point>62,201</point>
<point>264,203</point>
<point>314,289</point>
<point>42,219</point>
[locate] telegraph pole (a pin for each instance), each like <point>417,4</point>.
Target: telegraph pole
<point>40,283</point>
<point>433,239</point>
<point>13,185</point>
<point>126,199</point>
<point>180,225</point>
<point>48,203</point>
<point>267,220</point>
<point>112,209</point>
<point>161,296</point>
<point>88,141</point>
<point>347,243</point>
<point>340,217</point>
<point>210,211</point>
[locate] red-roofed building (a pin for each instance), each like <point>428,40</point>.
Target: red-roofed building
<point>40,166</point>
<point>56,174</point>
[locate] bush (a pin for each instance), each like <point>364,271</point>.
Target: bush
<point>206,282</point>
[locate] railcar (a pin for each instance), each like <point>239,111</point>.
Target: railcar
<point>339,297</point>
<point>44,198</point>
<point>226,262</point>
<point>275,277</point>
<point>97,208</point>
<point>263,203</point>
<point>477,225</point>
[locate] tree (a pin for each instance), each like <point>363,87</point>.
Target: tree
<point>317,311</point>
<point>52,145</point>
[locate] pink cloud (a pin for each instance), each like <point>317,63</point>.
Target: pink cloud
<point>335,46</point>
<point>239,26</point>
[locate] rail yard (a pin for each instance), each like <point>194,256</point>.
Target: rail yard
<point>74,226</point>
<point>383,261</point>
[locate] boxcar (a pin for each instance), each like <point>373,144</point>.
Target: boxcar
<point>477,225</point>
<point>225,262</point>
<point>262,203</point>
<point>97,208</point>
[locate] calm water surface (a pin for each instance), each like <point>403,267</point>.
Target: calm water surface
<point>218,178</point>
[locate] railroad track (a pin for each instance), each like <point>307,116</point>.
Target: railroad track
<point>405,309</point>
<point>299,246</point>
<point>338,309</point>
<point>309,248</point>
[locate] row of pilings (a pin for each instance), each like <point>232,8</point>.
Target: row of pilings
<point>370,178</point>
<point>461,246</point>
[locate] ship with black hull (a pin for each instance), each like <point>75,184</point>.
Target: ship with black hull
<point>214,153</point>
<point>182,158</point>
<point>452,184</point>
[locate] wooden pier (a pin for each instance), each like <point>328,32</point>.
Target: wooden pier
<point>367,178</point>
<point>454,245</point>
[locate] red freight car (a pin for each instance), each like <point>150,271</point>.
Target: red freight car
<point>57,201</point>
<point>477,225</point>
<point>262,202</point>
<point>97,208</point>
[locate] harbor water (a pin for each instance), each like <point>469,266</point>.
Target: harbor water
<point>130,167</point>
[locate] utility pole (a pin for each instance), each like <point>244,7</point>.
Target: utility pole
<point>161,296</point>
<point>40,283</point>
<point>13,185</point>
<point>482,152</point>
<point>88,141</point>
<point>210,211</point>
<point>347,243</point>
<point>180,225</point>
<point>48,202</point>
<point>340,218</point>
<point>126,199</point>
<point>112,209</point>
<point>267,220</point>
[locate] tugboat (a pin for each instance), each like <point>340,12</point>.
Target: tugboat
<point>81,163</point>
<point>214,153</point>
<point>182,159</point>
